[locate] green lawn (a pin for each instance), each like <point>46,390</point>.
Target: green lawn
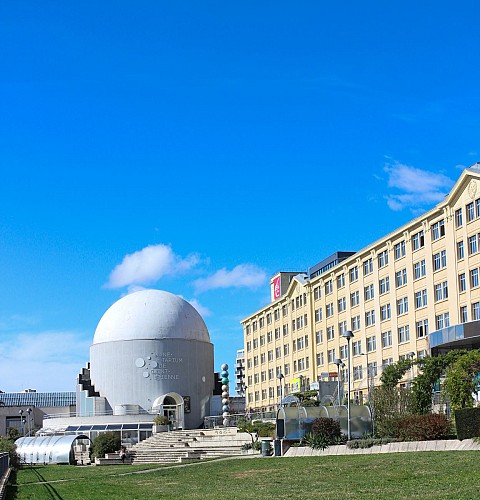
<point>401,475</point>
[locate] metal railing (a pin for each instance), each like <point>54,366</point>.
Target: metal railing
<point>4,465</point>
<point>217,420</point>
<point>97,414</point>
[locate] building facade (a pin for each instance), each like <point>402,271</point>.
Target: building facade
<point>412,293</point>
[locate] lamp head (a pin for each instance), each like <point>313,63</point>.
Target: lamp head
<point>347,334</point>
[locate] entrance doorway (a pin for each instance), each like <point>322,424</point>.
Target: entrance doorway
<point>171,405</point>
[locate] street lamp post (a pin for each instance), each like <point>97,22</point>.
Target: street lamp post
<point>339,364</point>
<point>29,422</point>
<point>348,335</point>
<point>280,379</point>
<point>411,355</point>
<point>22,430</point>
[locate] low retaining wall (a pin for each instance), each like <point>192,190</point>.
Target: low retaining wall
<point>403,447</point>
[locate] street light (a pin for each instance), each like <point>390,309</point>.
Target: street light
<point>29,422</point>
<point>339,364</point>
<point>280,378</point>
<point>411,355</point>
<point>22,431</point>
<point>347,334</point>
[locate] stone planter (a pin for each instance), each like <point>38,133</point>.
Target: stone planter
<point>160,428</point>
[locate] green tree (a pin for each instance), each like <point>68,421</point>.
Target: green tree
<point>460,381</point>
<point>7,445</point>
<point>107,442</point>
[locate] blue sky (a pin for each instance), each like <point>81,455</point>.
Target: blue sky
<point>200,147</point>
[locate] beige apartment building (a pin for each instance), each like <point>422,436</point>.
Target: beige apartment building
<point>414,292</point>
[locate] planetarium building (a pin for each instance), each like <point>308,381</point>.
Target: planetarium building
<point>151,354</point>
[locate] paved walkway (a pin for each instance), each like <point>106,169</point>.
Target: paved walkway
<point>411,446</point>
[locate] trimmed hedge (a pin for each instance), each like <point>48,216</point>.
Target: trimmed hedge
<point>467,422</point>
<point>428,427</point>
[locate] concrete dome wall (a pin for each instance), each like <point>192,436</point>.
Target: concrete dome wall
<point>138,372</point>
<point>151,343</point>
<point>151,314</point>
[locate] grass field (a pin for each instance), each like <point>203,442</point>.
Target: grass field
<point>423,475</point>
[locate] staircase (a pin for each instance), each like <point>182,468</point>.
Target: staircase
<point>181,445</point>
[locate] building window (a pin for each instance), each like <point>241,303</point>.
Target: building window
<point>342,327</point>
<point>419,269</point>
<point>470,210</point>
<point>463,314</point>
<point>277,333</point>
<point>357,347</point>
<point>353,274</point>
<point>460,250</point>
<point>330,332</point>
<point>402,306</point>
<point>317,293</point>
<point>344,352</point>
<point>319,336</point>
<point>385,312</point>
<point>399,250</point>
<point>328,287</point>
<point>278,352</point>
<point>458,218</point>
<point>249,346</point>
<point>356,323</point>
<point>440,260</point>
<point>387,339</point>
<point>462,282</point>
<point>371,343</point>
<point>354,298</point>
<point>369,292</point>
<point>439,291</point>
<point>418,241</point>
<point>403,334</point>
<point>420,299</point>
<point>286,369</point>
<point>357,372</point>
<point>472,245</point>
<point>370,318</point>
<point>300,343</point>
<point>368,267</point>
<point>269,318</point>
<point>331,355</point>
<point>256,378</point>
<point>320,359</point>
<point>255,343</point>
<point>271,374</point>
<point>474,278</point>
<point>442,321</point>
<point>284,310</point>
<point>342,304</point>
<point>384,285</point>
<point>422,328</point>
<point>329,310</point>
<point>269,336</point>
<point>475,311</point>
<point>382,258</point>
<point>270,355</point>
<point>340,280</point>
<point>286,349</point>
<point>263,357</point>
<point>477,203</point>
<point>276,314</point>
<point>262,340</point>
<point>401,278</point>
<point>438,230</point>
<point>285,329</point>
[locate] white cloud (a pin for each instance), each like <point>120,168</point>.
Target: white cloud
<point>45,361</point>
<point>149,265</point>
<point>420,188</point>
<point>202,310</point>
<point>243,275</point>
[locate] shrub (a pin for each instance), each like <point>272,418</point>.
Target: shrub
<point>369,442</point>
<point>161,420</point>
<point>7,445</point>
<point>467,422</point>
<point>316,441</point>
<point>423,427</point>
<point>107,442</point>
<point>328,429</point>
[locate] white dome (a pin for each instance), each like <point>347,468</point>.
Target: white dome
<point>151,315</point>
